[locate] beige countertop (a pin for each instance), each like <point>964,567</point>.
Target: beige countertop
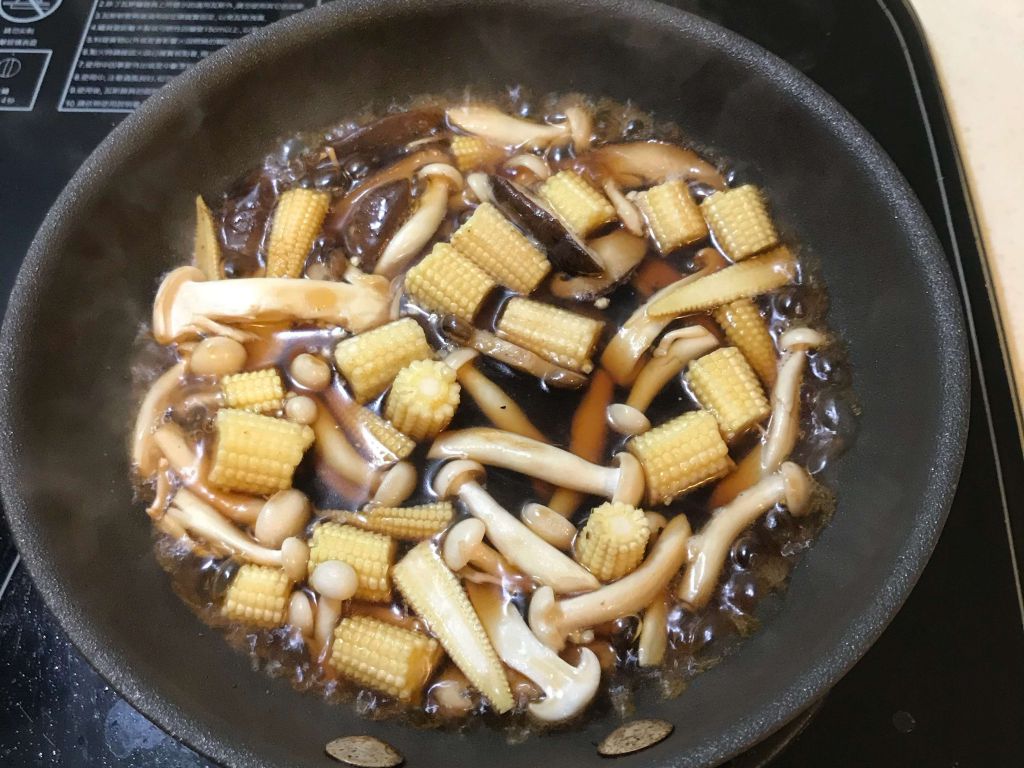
<point>978,46</point>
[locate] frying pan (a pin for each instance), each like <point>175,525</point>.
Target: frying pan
<point>126,217</point>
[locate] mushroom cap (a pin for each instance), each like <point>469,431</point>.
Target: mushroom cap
<point>798,488</point>
<point>543,618</point>
<point>396,485</point>
<point>630,487</point>
<point>688,333</point>
<point>554,528</point>
<point>453,474</point>
<point>627,420</point>
<point>165,325</point>
<point>460,542</point>
<point>443,171</point>
<point>283,515</point>
<point>334,579</point>
<point>460,357</point>
<point>801,338</point>
<point>569,700</point>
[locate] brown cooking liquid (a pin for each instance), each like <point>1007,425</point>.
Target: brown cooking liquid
<point>372,194</point>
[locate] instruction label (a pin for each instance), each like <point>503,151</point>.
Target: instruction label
<point>21,75</point>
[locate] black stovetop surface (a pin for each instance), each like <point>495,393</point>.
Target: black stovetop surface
<point>944,686</point>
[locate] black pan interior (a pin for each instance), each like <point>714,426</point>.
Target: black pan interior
<point>127,216</point>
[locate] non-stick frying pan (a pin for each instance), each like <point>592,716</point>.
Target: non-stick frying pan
<point>126,217</point>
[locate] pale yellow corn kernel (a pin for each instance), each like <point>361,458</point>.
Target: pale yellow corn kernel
<point>257,391</point>
<point>577,203</point>
<point>491,242</point>
<point>206,245</point>
<point>672,215</point>
<point>375,435</point>
<point>448,283</point>
<point>436,595</point>
<point>369,554</point>
<point>747,330</point>
<point>738,281</point>
<point>395,661</point>
<point>473,153</point>
<point>256,454</point>
<point>297,219</point>
<point>413,523</point>
<point>258,596</point>
<point>423,399</point>
<point>558,335</point>
<point>740,221</point>
<point>724,383</point>
<point>370,361</point>
<point>681,455</point>
<point>613,541</point>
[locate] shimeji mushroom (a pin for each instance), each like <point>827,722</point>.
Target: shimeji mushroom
<point>553,620</point>
<point>551,526</point>
<point>646,163</point>
<point>536,165</point>
<point>625,209</point>
<point>674,351</point>
<point>504,130</point>
<point>495,403</point>
<point>784,425</point>
<point>519,545</point>
<point>567,689</point>
<point>464,545</point>
<point>627,420</point>
<point>619,251</point>
<point>790,486</point>
<point>156,403</point>
<point>188,305</point>
<point>623,482</point>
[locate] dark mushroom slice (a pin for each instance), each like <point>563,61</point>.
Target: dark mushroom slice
<point>372,221</point>
<point>621,253</point>
<point>384,139</point>
<point>565,251</point>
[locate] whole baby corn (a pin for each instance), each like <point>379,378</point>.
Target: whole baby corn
<point>740,221</point>
<point>681,455</point>
<point>613,541</point>
<point>423,399</point>
<point>369,554</point>
<point>581,206</point>
<point>447,282</point>
<point>390,659</point>
<point>747,330</point>
<point>413,523</point>
<point>724,383</point>
<point>257,391</point>
<point>371,360</point>
<point>256,454</point>
<point>297,219</point>
<point>258,596</point>
<point>493,243</point>
<point>673,217</point>
<point>558,335</point>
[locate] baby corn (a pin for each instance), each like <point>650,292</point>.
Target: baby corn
<point>423,399</point>
<point>746,329</point>
<point>673,217</point>
<point>491,242</point>
<point>405,523</point>
<point>447,282</point>
<point>558,335</point>
<point>390,659</point>
<point>370,361</point>
<point>740,221</point>
<point>257,391</point>
<point>369,554</point>
<point>434,592</point>
<point>206,246</point>
<point>581,206</point>
<point>473,153</point>
<point>724,383</point>
<point>373,432</point>
<point>744,280</point>
<point>257,454</point>
<point>258,595</point>
<point>297,220</point>
<point>613,541</point>
<point>681,455</point>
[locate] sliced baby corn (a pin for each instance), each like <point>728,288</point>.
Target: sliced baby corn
<point>390,659</point>
<point>413,523</point>
<point>256,454</point>
<point>747,330</point>
<point>724,383</point>
<point>436,595</point>
<point>740,221</point>
<point>258,595</point>
<point>371,360</point>
<point>673,216</point>
<point>491,242</point>
<point>257,391</point>
<point>613,541</point>
<point>206,246</point>
<point>747,279</point>
<point>473,153</point>
<point>369,554</point>
<point>681,455</point>
<point>447,282</point>
<point>558,335</point>
<point>373,432</point>
<point>296,223</point>
<point>423,399</point>
<point>579,205</point>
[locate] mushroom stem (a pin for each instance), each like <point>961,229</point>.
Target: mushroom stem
<point>504,130</point>
<point>328,614</point>
<point>746,473</point>
<point>552,621</point>
<point>623,482</point>
<point>653,634</point>
<point>464,545</point>
<point>163,492</point>
<point>495,403</point>
<point>145,453</point>
<point>784,426</point>
<point>626,210</point>
<point>673,352</point>
<point>187,304</point>
<point>707,550</point>
<point>536,165</point>
<point>200,519</point>
<point>523,548</point>
<point>646,163</point>
<point>333,447</point>
<point>567,689</point>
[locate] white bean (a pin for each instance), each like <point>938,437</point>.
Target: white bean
<point>283,515</point>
